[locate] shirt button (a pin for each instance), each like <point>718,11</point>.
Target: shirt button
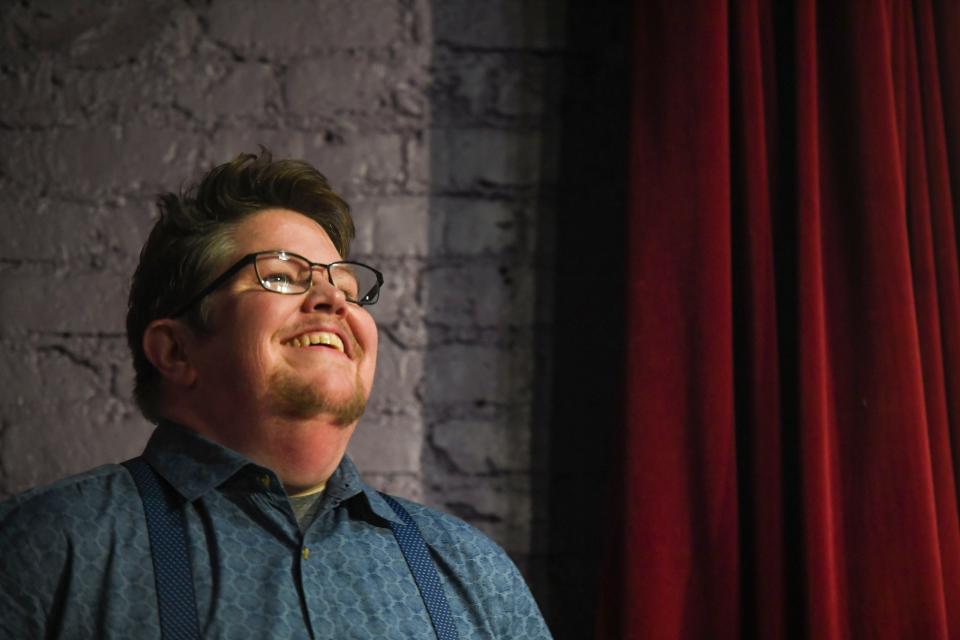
<point>306,553</point>
<point>265,481</point>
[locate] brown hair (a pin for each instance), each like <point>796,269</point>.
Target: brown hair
<point>191,241</point>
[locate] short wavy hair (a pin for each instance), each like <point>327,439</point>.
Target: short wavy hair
<point>192,239</point>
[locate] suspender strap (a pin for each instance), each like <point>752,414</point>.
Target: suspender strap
<point>424,571</point>
<point>167,527</point>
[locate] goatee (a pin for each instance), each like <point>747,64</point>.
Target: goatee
<point>295,399</point>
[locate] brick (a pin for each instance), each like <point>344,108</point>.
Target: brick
<point>180,38</point>
<point>499,506</point>
<point>474,226</point>
<point>419,159</point>
<point>410,100</point>
<point>366,161</point>
<point>499,24</point>
<point>191,83</point>
<point>118,35</point>
<point>243,92</point>
<point>405,485</point>
<point>91,34</point>
<point>462,87</point>
<point>468,159</point>
<point>229,142</point>
<point>123,375</point>
<point>401,226</point>
<point>56,438</point>
<point>27,95</point>
<point>28,375</point>
<point>483,446</point>
<point>481,294</point>
<point>363,162</point>
<point>121,230</point>
<point>49,26</point>
<point>399,307</point>
<point>57,414</point>
<point>450,293</point>
<point>92,98</point>
<point>89,162</point>
<point>66,302</point>
<point>286,27</point>
<point>363,224</point>
<point>465,375</point>
<point>43,229</point>
<point>520,90</point>
<point>338,83</point>
<point>54,230</point>
<point>388,443</point>
<point>483,88</point>
<point>398,374</point>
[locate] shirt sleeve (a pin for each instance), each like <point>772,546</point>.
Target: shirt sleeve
<point>490,598</point>
<point>28,578</point>
<point>525,622</point>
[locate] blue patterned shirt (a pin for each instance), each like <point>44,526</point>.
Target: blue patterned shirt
<point>75,558</point>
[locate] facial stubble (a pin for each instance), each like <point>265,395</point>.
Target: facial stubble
<point>296,399</point>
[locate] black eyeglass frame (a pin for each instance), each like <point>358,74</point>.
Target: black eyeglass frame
<point>280,253</point>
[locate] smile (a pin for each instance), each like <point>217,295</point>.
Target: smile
<point>322,338</point>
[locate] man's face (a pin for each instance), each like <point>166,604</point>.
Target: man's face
<point>257,344</point>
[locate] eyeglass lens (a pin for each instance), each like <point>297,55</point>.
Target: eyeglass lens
<point>289,274</point>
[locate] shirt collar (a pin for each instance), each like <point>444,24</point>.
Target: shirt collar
<point>193,465</point>
<point>346,483</point>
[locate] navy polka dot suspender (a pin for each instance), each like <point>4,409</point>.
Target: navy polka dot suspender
<point>177,603</point>
<point>167,528</point>
<point>424,571</point>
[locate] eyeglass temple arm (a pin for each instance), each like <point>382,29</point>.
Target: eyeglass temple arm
<point>226,275</point>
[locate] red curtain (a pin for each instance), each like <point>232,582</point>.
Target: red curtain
<point>790,458</point>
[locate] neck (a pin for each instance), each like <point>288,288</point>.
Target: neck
<point>303,453</point>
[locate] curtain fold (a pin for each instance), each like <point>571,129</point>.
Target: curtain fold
<point>789,459</point>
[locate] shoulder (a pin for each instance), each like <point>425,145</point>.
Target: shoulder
<point>478,569</point>
<point>443,531</point>
<point>47,528</point>
<point>465,554</point>
<point>74,503</point>
<point>62,537</point>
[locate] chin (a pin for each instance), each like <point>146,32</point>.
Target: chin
<point>294,398</point>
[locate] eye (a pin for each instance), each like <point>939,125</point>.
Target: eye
<point>349,289</point>
<point>279,278</point>
<point>281,282</point>
<point>345,279</point>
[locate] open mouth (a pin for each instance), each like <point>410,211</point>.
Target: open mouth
<point>317,338</point>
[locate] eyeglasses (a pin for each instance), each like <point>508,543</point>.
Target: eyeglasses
<point>288,273</point>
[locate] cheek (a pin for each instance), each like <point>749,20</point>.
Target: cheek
<point>253,342</point>
<point>365,331</point>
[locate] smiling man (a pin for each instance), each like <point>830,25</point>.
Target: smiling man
<point>254,351</point>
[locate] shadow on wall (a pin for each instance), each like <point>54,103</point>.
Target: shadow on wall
<point>523,296</point>
<point>580,408</point>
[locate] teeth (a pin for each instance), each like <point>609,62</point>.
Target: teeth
<point>324,338</point>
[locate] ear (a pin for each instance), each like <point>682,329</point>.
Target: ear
<point>166,344</point>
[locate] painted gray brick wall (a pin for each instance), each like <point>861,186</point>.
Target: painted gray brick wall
<point>431,117</point>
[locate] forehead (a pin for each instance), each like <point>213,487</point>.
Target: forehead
<point>284,229</point>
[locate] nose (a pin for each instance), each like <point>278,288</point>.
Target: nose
<point>323,296</point>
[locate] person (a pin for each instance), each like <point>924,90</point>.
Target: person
<point>254,353</point>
